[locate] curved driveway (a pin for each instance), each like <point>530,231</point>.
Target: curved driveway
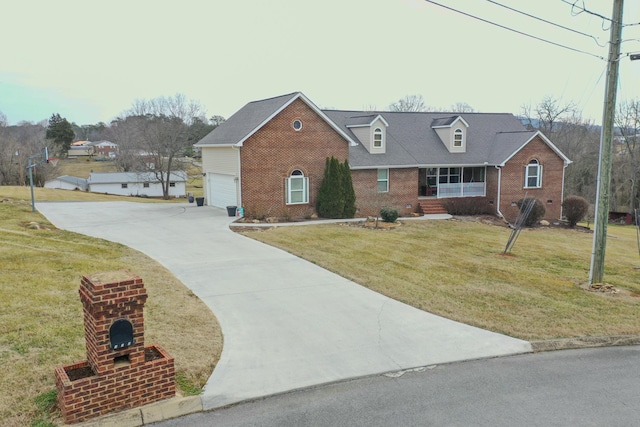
<point>287,323</point>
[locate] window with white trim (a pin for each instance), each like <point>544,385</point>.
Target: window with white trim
<point>297,188</point>
<point>533,175</point>
<point>458,137</point>
<point>383,180</point>
<point>377,138</point>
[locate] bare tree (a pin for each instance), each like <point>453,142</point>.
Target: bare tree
<point>410,103</point>
<point>627,152</point>
<point>462,107</point>
<point>17,144</point>
<point>578,139</point>
<point>159,130</point>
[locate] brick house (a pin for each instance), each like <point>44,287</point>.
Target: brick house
<point>269,157</point>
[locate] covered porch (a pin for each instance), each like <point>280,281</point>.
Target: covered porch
<point>457,181</point>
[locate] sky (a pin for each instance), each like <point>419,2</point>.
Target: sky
<point>89,61</point>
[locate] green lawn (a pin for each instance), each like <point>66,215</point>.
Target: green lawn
<point>41,323</point>
<point>456,269</point>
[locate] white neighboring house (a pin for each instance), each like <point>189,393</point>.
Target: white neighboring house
<point>68,182</point>
<point>143,184</point>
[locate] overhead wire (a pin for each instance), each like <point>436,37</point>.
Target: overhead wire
<point>595,39</point>
<point>516,31</point>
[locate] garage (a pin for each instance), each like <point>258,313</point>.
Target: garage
<point>221,190</point>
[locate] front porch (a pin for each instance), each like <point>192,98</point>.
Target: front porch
<point>445,182</point>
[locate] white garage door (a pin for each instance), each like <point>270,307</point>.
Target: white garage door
<point>222,190</point>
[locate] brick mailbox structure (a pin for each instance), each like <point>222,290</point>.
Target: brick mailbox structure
<point>120,371</point>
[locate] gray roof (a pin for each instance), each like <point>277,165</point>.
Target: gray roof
<point>74,180</point>
<point>491,138</point>
<point>130,177</point>
<point>245,121</point>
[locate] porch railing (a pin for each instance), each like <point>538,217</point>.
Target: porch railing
<point>462,189</point>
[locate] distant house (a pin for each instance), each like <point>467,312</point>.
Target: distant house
<point>104,148</point>
<point>80,149</point>
<point>68,182</point>
<point>136,184</point>
<point>270,157</point>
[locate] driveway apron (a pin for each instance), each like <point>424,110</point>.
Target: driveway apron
<point>287,323</point>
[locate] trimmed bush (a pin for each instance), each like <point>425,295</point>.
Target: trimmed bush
<point>575,208</point>
<point>537,212</point>
<point>330,202</point>
<point>388,214</point>
<point>348,191</point>
<point>468,206</point>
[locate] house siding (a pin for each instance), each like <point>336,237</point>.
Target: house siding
<point>513,173</point>
<point>402,192</point>
<point>219,160</point>
<point>270,155</point>
<point>222,160</point>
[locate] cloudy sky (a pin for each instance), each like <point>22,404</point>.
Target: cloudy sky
<point>90,60</point>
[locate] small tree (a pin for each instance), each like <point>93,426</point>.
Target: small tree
<point>537,210</point>
<point>331,195</point>
<point>575,208</point>
<point>349,210</point>
<point>61,133</point>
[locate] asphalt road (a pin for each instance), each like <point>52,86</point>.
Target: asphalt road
<point>587,387</point>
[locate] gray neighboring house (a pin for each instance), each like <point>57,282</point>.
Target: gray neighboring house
<point>136,184</point>
<point>68,182</point>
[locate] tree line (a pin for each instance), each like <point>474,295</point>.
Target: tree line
<point>154,135</point>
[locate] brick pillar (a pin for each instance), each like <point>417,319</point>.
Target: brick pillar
<point>107,297</point>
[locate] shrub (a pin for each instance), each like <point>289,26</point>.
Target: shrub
<point>348,191</point>
<point>537,211</point>
<point>575,208</point>
<point>388,214</point>
<point>468,206</point>
<point>331,195</point>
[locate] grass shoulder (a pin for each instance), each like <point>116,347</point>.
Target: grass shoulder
<point>41,324</point>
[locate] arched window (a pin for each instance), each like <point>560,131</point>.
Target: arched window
<point>377,138</point>
<point>458,136</point>
<point>297,188</point>
<point>533,174</point>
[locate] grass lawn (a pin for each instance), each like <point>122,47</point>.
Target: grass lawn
<point>456,269</point>
<point>41,323</point>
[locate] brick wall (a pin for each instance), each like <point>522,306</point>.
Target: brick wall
<point>270,155</point>
<point>111,380</point>
<point>403,191</point>
<point>513,174</point>
<point>125,387</point>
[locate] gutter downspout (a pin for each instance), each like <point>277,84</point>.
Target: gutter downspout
<point>562,192</point>
<point>239,188</point>
<point>499,187</point>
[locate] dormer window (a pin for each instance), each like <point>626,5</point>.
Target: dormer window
<point>452,131</point>
<point>458,136</point>
<point>377,138</point>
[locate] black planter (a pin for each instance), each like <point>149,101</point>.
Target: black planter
<point>200,201</point>
<point>231,210</point>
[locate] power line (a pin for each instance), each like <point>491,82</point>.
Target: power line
<point>547,22</point>
<point>516,31</point>
<point>583,9</point>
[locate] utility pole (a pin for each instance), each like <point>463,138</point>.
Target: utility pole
<point>45,159</point>
<point>596,272</point>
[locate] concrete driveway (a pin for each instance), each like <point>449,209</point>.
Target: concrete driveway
<point>287,323</point>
